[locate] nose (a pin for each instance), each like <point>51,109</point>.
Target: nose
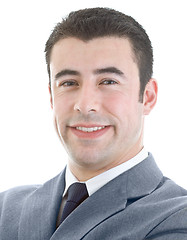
<point>87,100</point>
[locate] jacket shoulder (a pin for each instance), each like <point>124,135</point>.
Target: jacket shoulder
<point>173,227</point>
<point>172,200</point>
<point>18,191</point>
<point>13,199</point>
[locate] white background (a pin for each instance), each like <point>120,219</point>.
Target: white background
<point>30,151</point>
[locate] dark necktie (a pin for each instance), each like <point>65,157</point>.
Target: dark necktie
<point>77,193</point>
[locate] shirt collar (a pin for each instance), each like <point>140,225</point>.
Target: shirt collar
<point>100,180</point>
<point>70,179</point>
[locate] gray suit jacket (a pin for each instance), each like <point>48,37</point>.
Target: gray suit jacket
<point>138,204</point>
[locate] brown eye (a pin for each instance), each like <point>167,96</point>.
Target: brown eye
<point>68,83</point>
<point>108,82</point>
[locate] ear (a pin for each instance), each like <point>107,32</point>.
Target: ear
<point>51,100</point>
<point>150,96</point>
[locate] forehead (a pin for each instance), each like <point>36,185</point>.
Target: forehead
<point>106,51</point>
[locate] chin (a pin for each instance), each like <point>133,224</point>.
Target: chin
<point>93,163</point>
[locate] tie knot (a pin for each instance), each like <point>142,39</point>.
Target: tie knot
<point>77,193</point>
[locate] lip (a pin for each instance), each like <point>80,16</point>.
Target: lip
<point>89,135</point>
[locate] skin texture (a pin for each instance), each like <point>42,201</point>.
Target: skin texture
<point>96,84</point>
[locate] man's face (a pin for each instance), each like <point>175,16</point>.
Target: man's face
<point>95,98</point>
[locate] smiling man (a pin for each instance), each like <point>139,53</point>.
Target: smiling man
<point>95,97</point>
<point>101,87</point>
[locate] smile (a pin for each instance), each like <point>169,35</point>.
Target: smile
<point>89,132</point>
<point>91,129</point>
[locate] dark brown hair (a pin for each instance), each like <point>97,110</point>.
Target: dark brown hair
<point>91,23</point>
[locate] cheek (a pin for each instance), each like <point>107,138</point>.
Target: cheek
<point>117,104</point>
<point>61,106</point>
<point>125,109</point>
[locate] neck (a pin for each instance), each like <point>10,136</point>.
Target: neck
<point>86,172</point>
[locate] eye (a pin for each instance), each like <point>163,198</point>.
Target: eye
<point>108,82</point>
<point>68,83</point>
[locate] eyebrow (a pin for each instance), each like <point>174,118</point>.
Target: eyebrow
<point>66,72</point>
<point>109,70</point>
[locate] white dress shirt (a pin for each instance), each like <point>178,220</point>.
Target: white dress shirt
<point>100,180</point>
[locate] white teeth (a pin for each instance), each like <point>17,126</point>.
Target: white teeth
<point>94,129</point>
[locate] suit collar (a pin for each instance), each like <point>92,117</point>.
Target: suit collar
<point>137,182</point>
<point>143,178</point>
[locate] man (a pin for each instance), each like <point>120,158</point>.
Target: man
<point>100,69</point>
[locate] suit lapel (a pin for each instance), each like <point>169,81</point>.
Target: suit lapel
<point>92,211</point>
<point>39,213</point>
<point>110,199</point>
